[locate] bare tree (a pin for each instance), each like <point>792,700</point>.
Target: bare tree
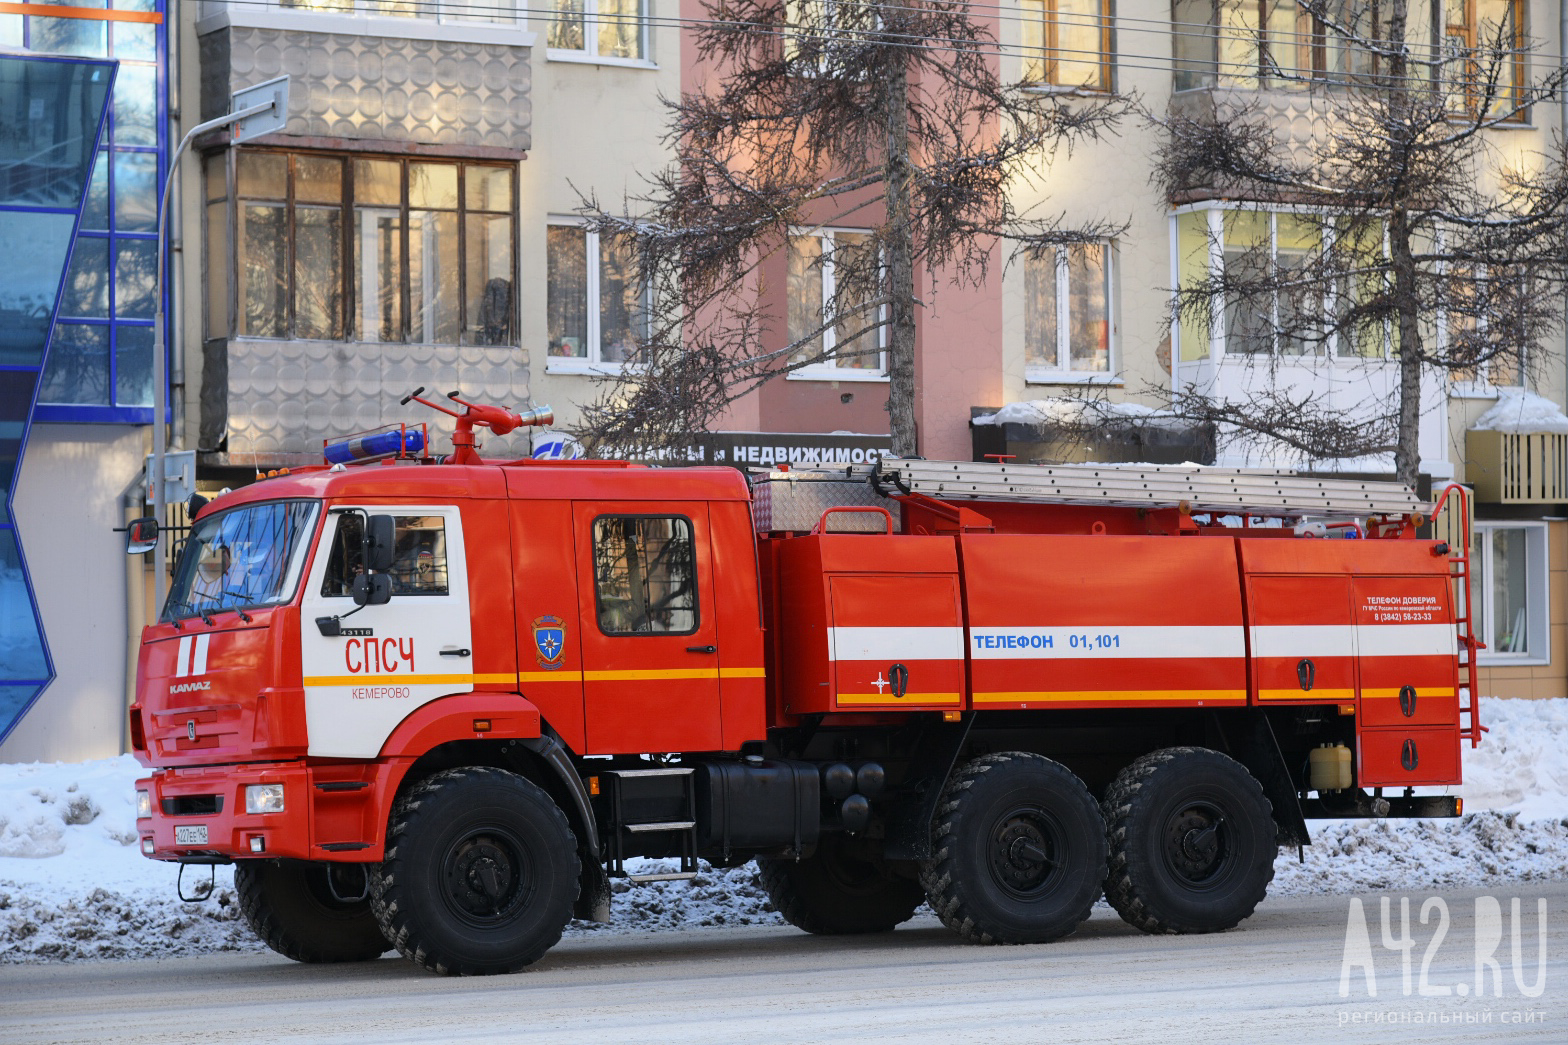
<point>1414,237</point>
<point>890,117</point>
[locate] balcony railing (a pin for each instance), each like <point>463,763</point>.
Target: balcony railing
<point>1517,467</point>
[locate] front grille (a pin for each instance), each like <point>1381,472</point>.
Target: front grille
<point>193,805</point>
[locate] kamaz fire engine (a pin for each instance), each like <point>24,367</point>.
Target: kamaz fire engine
<point>437,704</point>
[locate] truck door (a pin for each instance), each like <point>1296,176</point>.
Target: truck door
<point>648,624</point>
<point>386,660</point>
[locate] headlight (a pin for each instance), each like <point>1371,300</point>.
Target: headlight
<point>143,805</point>
<point>264,798</point>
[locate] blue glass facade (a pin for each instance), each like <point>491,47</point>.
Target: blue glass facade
<point>52,112</point>
<point>100,359</point>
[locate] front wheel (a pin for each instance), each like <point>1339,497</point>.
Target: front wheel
<point>1192,842</point>
<point>298,908</point>
<point>480,873</point>
<point>1019,851</point>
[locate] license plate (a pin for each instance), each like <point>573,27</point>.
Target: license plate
<point>190,834</point>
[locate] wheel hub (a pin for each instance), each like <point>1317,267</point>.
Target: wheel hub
<point>1195,844</point>
<point>482,877</point>
<point>1023,852</point>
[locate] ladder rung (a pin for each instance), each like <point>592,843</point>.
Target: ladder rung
<point>669,876</point>
<point>664,825</point>
<point>673,771</point>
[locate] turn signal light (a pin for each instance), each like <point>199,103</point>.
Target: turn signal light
<point>593,785</point>
<point>952,716</point>
<point>1459,807</point>
<point>1347,709</point>
<point>481,725</point>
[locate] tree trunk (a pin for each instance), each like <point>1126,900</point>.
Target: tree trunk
<point>898,256</point>
<point>1407,297</point>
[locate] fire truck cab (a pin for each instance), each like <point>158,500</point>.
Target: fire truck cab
<point>436,707</point>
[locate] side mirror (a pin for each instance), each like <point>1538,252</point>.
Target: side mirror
<point>380,544</point>
<point>371,589</point>
<point>141,536</point>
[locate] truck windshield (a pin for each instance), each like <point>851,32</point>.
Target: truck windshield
<point>241,558</point>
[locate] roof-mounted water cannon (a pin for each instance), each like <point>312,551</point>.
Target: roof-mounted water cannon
<point>497,419</point>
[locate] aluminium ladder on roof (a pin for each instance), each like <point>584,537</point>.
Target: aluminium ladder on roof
<point>1203,489</point>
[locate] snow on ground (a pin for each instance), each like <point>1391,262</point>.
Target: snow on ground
<point>74,885</point>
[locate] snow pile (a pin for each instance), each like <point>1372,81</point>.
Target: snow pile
<point>74,885</point>
<point>1522,412</point>
<point>1062,412</point>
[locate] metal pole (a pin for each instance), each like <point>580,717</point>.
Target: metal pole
<point>159,362</point>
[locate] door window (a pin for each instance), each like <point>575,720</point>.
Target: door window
<point>645,574</point>
<point>419,565</point>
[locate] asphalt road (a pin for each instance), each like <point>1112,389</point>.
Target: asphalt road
<point>1275,979</point>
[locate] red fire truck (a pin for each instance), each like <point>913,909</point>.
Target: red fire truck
<point>437,704</point>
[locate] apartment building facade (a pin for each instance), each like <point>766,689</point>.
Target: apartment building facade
<point>417,222</point>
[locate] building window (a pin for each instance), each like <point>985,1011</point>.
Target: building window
<point>1231,249</point>
<point>815,31</point>
<point>835,317</point>
<point>1508,591</point>
<point>100,356</point>
<point>502,11</point>
<point>373,249</point>
<point>645,574</point>
<point>1067,313</point>
<point>1067,43</point>
<point>595,300</point>
<point>1483,51</point>
<point>601,29</point>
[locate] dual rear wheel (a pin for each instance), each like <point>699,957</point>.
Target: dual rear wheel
<point>1184,842</point>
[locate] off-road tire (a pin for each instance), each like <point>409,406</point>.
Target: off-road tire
<point>1019,851</point>
<point>1159,802</point>
<point>480,874</point>
<point>291,907</point>
<point>838,891</point>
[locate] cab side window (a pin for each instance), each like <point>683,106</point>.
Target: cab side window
<point>419,564</point>
<point>645,574</point>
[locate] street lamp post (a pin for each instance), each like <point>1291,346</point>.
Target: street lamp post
<point>256,110</point>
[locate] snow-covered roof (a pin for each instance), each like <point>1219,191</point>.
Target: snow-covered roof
<point>1063,411</point>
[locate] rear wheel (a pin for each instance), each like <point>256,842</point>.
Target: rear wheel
<point>294,906</point>
<point>840,889</point>
<point>1192,842</point>
<point>1019,851</point>
<point>480,873</point>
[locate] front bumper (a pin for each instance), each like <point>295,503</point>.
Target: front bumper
<point>329,813</point>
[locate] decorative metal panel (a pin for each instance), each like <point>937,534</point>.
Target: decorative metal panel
<point>352,86</point>
<point>285,397</point>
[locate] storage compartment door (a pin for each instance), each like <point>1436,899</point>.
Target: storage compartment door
<point>897,641</point>
<point>1408,648</point>
<point>1302,640</point>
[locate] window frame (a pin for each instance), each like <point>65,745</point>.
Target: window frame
<point>1462,88</point>
<point>590,18</point>
<point>1062,373</point>
<point>598,594</point>
<point>828,369</point>
<point>1045,13</point>
<point>1219,333</point>
<point>348,321</point>
<point>1537,599</point>
<point>593,362</point>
